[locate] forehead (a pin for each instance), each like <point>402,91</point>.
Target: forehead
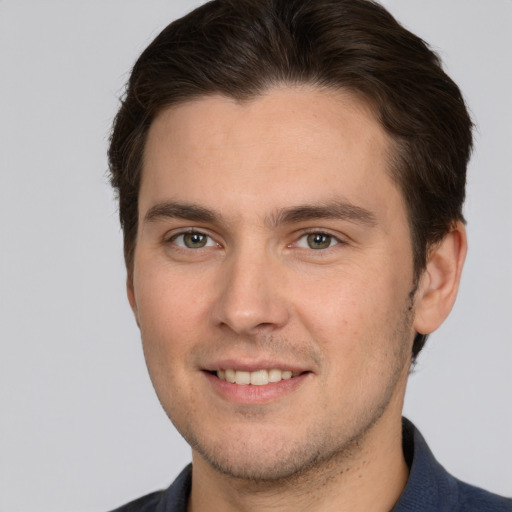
<point>288,146</point>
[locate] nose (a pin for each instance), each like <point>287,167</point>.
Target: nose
<point>252,296</point>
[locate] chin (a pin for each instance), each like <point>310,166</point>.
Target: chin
<point>272,466</point>
<point>270,458</point>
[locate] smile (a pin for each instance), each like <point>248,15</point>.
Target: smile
<point>256,378</point>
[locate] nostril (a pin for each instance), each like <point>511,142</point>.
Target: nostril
<point>264,326</point>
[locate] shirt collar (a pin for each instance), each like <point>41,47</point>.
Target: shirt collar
<point>429,487</point>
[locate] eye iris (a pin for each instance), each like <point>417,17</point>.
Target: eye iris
<point>194,240</point>
<point>319,241</point>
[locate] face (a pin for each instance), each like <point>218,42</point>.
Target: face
<point>272,278</point>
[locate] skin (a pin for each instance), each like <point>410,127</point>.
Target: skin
<point>247,183</point>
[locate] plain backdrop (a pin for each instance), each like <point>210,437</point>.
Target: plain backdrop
<point>80,427</point>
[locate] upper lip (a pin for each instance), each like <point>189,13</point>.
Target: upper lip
<point>254,365</point>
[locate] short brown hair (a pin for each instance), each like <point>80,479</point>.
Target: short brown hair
<point>241,48</point>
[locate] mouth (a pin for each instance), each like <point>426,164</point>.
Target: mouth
<point>255,378</point>
<point>250,384</point>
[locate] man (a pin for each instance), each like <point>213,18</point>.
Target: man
<point>291,177</point>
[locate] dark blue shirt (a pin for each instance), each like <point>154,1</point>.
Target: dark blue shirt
<point>429,487</point>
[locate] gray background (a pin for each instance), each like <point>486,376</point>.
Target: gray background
<point>80,427</point>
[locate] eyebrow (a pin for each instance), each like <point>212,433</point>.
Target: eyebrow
<point>336,210</point>
<point>174,210</point>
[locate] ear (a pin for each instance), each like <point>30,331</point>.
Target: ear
<point>130,292</point>
<point>440,280</point>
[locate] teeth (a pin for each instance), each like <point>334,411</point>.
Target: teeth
<point>257,378</point>
<point>242,378</point>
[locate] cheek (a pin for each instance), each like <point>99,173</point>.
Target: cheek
<point>169,303</point>
<point>338,303</point>
<point>169,327</point>
<point>165,323</point>
<point>353,315</point>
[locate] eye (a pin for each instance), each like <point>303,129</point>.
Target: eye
<point>317,241</point>
<point>193,240</point>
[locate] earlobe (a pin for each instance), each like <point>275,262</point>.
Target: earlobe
<point>440,280</point>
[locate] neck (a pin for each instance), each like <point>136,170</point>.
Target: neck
<point>370,479</point>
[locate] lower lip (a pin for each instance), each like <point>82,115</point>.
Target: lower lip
<point>255,395</point>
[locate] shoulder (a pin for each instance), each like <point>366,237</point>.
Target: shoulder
<point>175,498</point>
<point>146,503</point>
<point>474,499</point>
<point>430,488</point>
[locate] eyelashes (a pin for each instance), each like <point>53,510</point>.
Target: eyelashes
<point>317,241</point>
<point>193,240</point>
